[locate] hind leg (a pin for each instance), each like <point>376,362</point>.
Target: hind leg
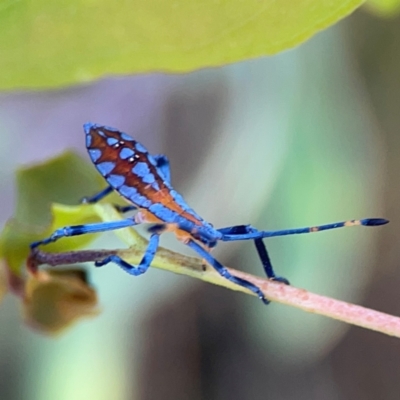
<point>223,271</point>
<point>260,246</point>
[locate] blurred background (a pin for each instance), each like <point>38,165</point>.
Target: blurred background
<point>306,137</point>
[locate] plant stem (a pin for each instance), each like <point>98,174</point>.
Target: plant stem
<point>274,291</point>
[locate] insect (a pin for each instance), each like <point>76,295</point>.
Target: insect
<point>144,181</point>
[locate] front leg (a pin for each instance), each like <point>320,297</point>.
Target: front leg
<point>84,229</point>
<point>98,196</point>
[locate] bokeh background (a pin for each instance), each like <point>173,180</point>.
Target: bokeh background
<point>306,137</point>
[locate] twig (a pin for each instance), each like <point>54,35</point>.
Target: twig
<point>280,293</point>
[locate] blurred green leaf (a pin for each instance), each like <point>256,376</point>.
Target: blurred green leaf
<point>63,179</point>
<point>54,300</point>
<point>66,179</point>
<point>46,44</point>
<point>384,8</point>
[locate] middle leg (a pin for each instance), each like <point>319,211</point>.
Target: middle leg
<point>144,263</point>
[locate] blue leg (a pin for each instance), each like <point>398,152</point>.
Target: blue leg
<point>266,262</point>
<point>84,229</point>
<point>124,209</point>
<point>98,196</point>
<point>157,228</point>
<point>225,273</point>
<point>261,249</point>
<point>144,264</point>
<point>163,166</point>
<point>228,237</point>
<point>235,230</point>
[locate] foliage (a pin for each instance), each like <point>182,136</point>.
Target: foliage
<point>49,44</point>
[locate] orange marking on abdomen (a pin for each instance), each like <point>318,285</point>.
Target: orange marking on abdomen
<point>164,197</point>
<point>146,216</point>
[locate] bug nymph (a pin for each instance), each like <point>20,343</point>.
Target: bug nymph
<point>143,180</point>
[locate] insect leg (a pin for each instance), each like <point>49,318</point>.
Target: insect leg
<point>124,209</point>
<point>227,237</point>
<point>266,262</point>
<point>261,249</point>
<point>98,196</point>
<point>143,265</point>
<point>163,166</point>
<point>84,229</point>
<point>235,230</point>
<point>225,273</point>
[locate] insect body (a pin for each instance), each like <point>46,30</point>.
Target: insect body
<point>144,181</point>
<point>134,173</point>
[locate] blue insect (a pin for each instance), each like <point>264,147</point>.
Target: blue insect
<point>144,181</point>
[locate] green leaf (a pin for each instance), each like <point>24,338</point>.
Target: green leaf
<point>46,44</point>
<point>384,8</point>
<point>54,300</point>
<point>65,179</point>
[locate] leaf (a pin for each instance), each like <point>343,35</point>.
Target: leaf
<point>54,300</point>
<point>47,44</point>
<point>384,8</point>
<point>65,179</point>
